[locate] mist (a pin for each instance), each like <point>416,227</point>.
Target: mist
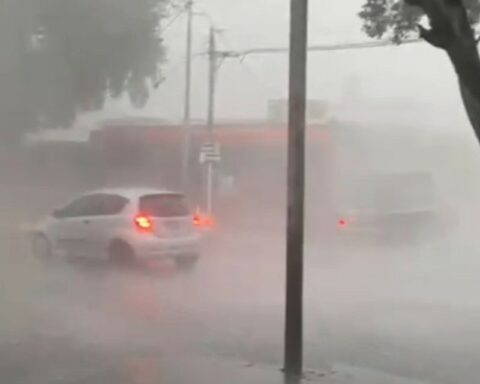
<point>391,273</point>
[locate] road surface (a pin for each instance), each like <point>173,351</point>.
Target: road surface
<point>411,311</point>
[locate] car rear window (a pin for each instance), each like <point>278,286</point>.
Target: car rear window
<point>163,205</point>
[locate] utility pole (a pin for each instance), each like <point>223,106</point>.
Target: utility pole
<point>188,88</point>
<point>293,359</point>
<point>212,69</point>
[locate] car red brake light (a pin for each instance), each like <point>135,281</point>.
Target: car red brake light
<point>343,223</point>
<point>203,221</point>
<point>197,221</point>
<point>144,223</point>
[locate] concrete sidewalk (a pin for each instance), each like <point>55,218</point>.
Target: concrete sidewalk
<point>194,370</point>
<point>206,371</point>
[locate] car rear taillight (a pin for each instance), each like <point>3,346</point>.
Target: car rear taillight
<point>343,223</point>
<point>203,221</point>
<point>144,223</point>
<point>197,221</point>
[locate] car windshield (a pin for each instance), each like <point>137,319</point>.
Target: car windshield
<point>164,205</point>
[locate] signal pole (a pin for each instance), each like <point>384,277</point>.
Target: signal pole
<point>293,358</point>
<point>212,71</point>
<point>188,88</point>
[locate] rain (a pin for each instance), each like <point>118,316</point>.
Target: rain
<point>391,198</point>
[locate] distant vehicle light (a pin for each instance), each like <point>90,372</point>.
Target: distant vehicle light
<point>202,221</point>
<point>343,223</point>
<point>144,223</point>
<point>197,221</point>
<point>208,222</point>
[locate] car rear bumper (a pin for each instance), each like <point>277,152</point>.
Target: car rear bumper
<point>155,247</point>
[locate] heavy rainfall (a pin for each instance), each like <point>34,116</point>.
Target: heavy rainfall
<point>179,275</point>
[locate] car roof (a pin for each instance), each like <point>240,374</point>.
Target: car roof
<point>133,192</point>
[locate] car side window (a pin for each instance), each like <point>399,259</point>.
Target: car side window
<point>76,208</point>
<point>112,204</point>
<point>94,205</point>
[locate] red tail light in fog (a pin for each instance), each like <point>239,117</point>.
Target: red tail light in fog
<point>197,221</point>
<point>342,223</point>
<point>144,223</point>
<point>203,221</point>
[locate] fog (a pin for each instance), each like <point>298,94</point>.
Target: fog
<point>403,304</point>
<point>408,308</point>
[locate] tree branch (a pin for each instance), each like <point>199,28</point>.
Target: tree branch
<point>448,21</point>
<point>451,31</point>
<point>433,37</point>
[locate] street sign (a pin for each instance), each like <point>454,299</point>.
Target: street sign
<point>210,153</point>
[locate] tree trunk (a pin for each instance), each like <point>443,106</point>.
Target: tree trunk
<point>465,59</point>
<point>463,54</point>
<point>451,31</point>
<point>472,107</point>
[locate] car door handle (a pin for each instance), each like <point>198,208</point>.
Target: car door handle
<point>86,221</point>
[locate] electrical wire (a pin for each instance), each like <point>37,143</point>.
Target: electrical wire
<point>259,80</point>
<point>172,21</point>
<point>324,47</point>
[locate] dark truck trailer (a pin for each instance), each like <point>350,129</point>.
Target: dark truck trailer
<point>396,206</point>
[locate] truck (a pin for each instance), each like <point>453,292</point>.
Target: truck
<point>392,206</point>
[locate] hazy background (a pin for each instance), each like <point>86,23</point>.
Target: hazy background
<point>408,309</point>
<point>414,82</point>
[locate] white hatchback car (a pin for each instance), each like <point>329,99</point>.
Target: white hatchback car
<point>121,225</point>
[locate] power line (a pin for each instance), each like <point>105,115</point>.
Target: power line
<point>259,80</point>
<point>332,47</point>
<point>173,69</point>
<point>172,21</point>
<point>207,16</point>
<point>317,48</point>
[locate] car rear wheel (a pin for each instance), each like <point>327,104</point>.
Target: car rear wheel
<point>186,262</point>
<point>121,253</point>
<point>41,248</point>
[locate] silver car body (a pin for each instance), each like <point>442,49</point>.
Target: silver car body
<point>92,235</point>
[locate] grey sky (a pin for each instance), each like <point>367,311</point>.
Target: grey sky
<point>417,73</point>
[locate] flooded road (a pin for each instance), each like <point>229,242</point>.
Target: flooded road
<point>409,311</point>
